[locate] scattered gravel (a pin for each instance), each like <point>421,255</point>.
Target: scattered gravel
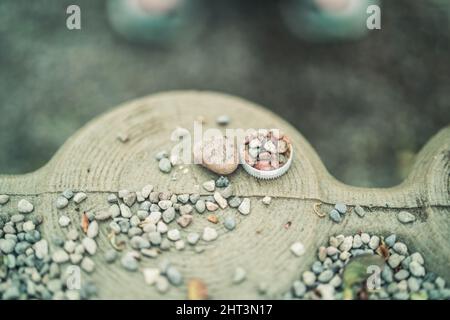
<point>403,276</point>
<point>267,200</point>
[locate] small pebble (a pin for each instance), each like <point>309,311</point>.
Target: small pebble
<point>234,202</point>
<point>87,264</point>
<point>79,197</point>
<point>266,200</point>
<point>209,185</point>
<point>110,256</point>
<point>360,211</point>
<point>64,221</point>
<point>211,206</point>
<point>60,256</point>
<point>92,230</point>
<point>221,201</point>
<point>7,245</point>
<point>162,284</point>
<point>222,182</point>
<point>4,199</point>
<point>405,217</point>
<point>390,241</point>
<point>401,275</point>
<point>90,245</point>
<point>395,260</point>
<point>229,223</point>
<point>298,249</point>
<point>374,242</point>
<point>165,165</point>
<point>150,275</point>
<point>209,234</point>
<point>223,120</point>
<point>341,208</point>
<point>200,206</point>
<point>173,234</point>
<point>125,211</point>
<point>179,245</point>
<point>24,206</point>
<point>239,275</point>
<point>416,269</point>
<point>129,261</point>
<point>244,207</point>
<point>185,220</point>
<point>335,216</point>
<point>174,276</point>
<point>192,238</point>
<point>325,276</point>
<point>28,226</point>
<point>61,202</point>
<point>168,215</point>
<point>401,248</point>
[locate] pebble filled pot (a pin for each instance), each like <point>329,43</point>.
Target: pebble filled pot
<point>327,20</point>
<point>151,21</point>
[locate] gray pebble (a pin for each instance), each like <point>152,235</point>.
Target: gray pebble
<point>229,223</point>
<point>155,238</point>
<point>165,244</point>
<point>400,248</point>
<point>162,284</point>
<point>110,256</point>
<point>61,202</point>
<point>325,276</point>
<point>360,211</point>
<point>223,120</point>
<point>401,275</point>
<point>16,218</point>
<point>129,199</point>
<point>405,217</point>
<point>183,198</point>
<point>165,204</point>
<point>129,262</point>
<point>89,245</point>
<point>341,208</point>
<point>357,242</point>
<point>414,284</point>
<point>416,269</point>
<point>234,202</point>
<point>125,211</point>
<point>194,198</point>
<point>395,260</point>
<point>335,216</point>
<point>4,199</point>
<point>138,242</point>
<point>168,215</point>
<point>192,238</point>
<point>165,165</point>
<point>387,274</point>
<point>7,245</point>
<point>112,198</point>
<point>390,241</point>
<point>209,234</point>
<point>200,206</point>
<point>417,257</point>
<point>239,275</point>
<point>161,154</point>
<point>174,276</point>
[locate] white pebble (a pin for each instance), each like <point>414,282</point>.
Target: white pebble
<point>79,197</point>
<point>298,249</point>
<point>173,234</point>
<point>64,221</point>
<point>25,206</point>
<point>209,234</point>
<point>92,230</point>
<point>125,211</point>
<point>244,207</point>
<point>150,275</point>
<point>266,200</point>
<point>90,245</point>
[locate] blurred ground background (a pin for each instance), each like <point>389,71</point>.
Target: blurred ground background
<point>367,107</point>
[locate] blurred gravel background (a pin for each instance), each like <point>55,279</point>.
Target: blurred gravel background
<point>367,107</point>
